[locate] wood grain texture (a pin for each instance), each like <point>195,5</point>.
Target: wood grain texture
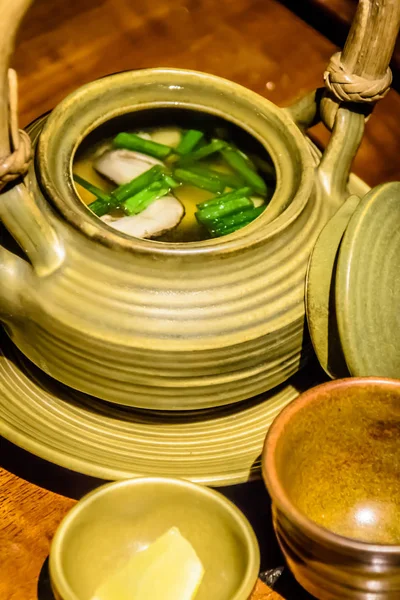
<point>62,45</point>
<point>262,592</point>
<point>370,43</point>
<point>29,516</point>
<point>258,43</point>
<point>333,18</point>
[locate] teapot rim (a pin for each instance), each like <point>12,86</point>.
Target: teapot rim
<point>59,188</point>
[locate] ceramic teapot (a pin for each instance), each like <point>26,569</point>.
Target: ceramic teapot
<point>176,326</point>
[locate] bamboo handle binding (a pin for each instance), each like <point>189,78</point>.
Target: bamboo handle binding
<point>15,147</point>
<point>361,73</point>
<point>11,15</point>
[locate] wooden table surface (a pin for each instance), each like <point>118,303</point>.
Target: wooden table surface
<point>63,44</point>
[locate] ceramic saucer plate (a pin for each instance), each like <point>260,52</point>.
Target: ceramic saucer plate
<point>368,285</point>
<point>215,447</point>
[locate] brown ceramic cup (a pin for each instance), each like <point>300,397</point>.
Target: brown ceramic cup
<point>331,463</point>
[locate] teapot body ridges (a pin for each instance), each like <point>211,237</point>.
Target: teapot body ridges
<point>167,326</point>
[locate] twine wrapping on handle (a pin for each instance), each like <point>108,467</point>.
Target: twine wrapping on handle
<point>16,164</point>
<point>348,87</point>
<point>359,76</point>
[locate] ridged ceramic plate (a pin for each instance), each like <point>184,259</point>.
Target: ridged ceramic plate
<point>215,447</point>
<point>368,285</point>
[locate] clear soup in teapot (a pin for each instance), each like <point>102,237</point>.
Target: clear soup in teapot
<point>174,181</point>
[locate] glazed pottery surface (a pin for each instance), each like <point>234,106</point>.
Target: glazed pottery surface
<point>215,447</point>
<point>331,464</point>
<point>353,287</point>
<point>167,326</point>
<point>368,285</point>
<point>107,526</point>
<point>178,326</point>
<point>320,292</point>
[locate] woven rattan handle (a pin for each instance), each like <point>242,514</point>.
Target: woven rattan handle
<point>361,73</point>
<point>15,151</point>
<point>355,80</point>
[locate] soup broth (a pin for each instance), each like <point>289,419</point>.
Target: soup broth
<point>207,182</point>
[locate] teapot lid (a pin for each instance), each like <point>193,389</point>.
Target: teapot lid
<point>368,285</point>
<point>353,287</point>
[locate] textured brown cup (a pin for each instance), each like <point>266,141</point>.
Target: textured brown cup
<point>331,463</point>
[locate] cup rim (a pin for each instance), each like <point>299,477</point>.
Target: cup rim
<point>94,228</point>
<point>58,579</point>
<point>276,489</point>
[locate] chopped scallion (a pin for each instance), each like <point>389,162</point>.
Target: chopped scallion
<point>227,179</point>
<point>207,215</point>
<point>216,233</point>
<point>244,217</point>
<point>214,146</point>
<point>170,181</point>
<point>200,181</point>
<point>189,141</point>
<point>127,190</point>
<point>234,195</point>
<point>130,141</point>
<point>102,204</point>
<point>91,188</point>
<point>145,197</point>
<point>239,164</point>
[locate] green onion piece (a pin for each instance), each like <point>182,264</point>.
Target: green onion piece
<point>247,158</point>
<point>207,215</point>
<point>127,190</point>
<point>227,179</point>
<point>102,205</point>
<point>239,164</point>
<point>215,233</point>
<point>245,217</point>
<point>189,141</point>
<point>203,152</point>
<point>235,195</point>
<point>170,181</point>
<point>130,141</point>
<point>205,183</point>
<point>140,201</point>
<point>91,188</point>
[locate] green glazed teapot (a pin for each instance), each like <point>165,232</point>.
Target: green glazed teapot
<point>176,326</point>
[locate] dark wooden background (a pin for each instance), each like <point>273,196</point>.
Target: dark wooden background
<point>333,19</point>
<point>258,43</point>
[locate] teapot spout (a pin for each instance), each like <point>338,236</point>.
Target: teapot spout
<point>22,210</point>
<point>33,226</point>
<point>15,278</point>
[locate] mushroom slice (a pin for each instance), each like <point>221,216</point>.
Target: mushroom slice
<point>160,216</point>
<point>170,136</point>
<point>121,166</point>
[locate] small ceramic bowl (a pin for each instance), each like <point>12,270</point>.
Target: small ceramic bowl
<point>331,464</point>
<point>119,519</point>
